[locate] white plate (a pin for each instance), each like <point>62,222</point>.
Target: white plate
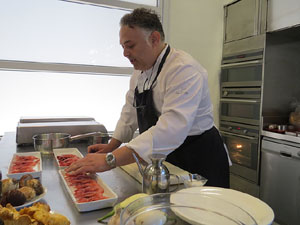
<point>260,211</point>
<point>93,205</point>
<point>63,151</point>
<point>37,168</point>
<point>35,199</point>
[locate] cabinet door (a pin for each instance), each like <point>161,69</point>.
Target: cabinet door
<point>241,20</point>
<point>283,14</point>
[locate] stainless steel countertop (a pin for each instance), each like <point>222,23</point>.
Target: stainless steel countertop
<point>57,197</point>
<point>284,137</point>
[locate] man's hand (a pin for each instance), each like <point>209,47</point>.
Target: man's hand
<point>98,148</point>
<point>91,163</point>
<point>104,148</point>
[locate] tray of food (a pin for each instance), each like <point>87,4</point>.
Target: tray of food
<point>22,192</point>
<point>66,156</point>
<point>38,213</point>
<point>25,163</point>
<point>88,192</point>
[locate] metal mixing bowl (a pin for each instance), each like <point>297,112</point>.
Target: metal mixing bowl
<point>45,143</point>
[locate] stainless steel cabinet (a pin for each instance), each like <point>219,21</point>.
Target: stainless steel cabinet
<point>243,19</point>
<point>283,14</point>
<point>280,179</point>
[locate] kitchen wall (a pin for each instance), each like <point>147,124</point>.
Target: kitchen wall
<point>196,26</point>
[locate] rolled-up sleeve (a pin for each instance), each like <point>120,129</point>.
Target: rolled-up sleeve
<point>127,123</point>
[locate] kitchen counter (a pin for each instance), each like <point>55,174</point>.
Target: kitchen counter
<point>57,197</point>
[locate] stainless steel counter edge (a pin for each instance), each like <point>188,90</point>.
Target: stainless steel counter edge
<point>281,136</point>
<point>57,197</point>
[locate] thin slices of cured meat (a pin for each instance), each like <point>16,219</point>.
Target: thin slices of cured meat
<point>86,189</point>
<point>22,164</point>
<point>67,159</point>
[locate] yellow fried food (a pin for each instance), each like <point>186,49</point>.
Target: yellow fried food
<point>38,214</point>
<point>57,219</point>
<point>36,206</point>
<point>8,212</point>
<point>41,216</point>
<point>21,220</point>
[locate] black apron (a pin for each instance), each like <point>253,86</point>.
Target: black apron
<point>144,104</point>
<point>202,154</point>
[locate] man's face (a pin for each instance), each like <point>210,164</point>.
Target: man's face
<point>136,48</point>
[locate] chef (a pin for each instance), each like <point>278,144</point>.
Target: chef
<point>168,101</point>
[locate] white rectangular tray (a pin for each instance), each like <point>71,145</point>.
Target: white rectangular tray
<point>93,205</point>
<point>37,168</point>
<point>63,151</point>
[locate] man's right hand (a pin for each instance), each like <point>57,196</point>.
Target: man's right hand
<point>104,148</point>
<point>98,148</point>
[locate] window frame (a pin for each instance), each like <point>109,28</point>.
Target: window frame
<point>80,68</point>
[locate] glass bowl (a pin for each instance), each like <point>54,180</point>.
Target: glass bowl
<point>194,180</point>
<point>183,209</point>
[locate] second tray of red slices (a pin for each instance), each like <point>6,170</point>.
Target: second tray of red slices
<point>25,163</point>
<point>66,156</point>
<point>88,192</point>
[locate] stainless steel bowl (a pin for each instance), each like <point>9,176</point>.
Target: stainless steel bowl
<point>45,143</point>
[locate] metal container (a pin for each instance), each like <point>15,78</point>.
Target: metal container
<point>282,128</point>
<point>45,143</point>
<point>156,176</point>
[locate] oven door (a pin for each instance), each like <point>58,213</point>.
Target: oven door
<point>243,151</point>
<point>242,74</point>
<point>245,111</point>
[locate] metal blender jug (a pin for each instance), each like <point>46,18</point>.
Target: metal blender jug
<point>156,176</point>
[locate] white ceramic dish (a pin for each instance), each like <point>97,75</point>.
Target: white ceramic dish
<point>35,199</point>
<point>260,211</point>
<point>37,168</point>
<point>93,205</point>
<point>63,151</point>
<point>195,209</point>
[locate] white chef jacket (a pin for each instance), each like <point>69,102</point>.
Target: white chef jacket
<point>181,97</point>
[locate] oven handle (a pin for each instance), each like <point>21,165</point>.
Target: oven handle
<point>237,135</point>
<point>248,63</point>
<point>239,100</point>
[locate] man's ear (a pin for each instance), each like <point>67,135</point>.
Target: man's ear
<point>155,38</point>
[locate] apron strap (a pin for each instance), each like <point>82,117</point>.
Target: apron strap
<point>161,64</point>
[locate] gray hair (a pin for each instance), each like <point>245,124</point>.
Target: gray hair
<point>143,18</point>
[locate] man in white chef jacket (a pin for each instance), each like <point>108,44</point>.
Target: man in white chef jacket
<point>168,100</point>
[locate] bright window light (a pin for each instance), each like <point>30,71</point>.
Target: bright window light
<point>145,2</point>
<point>60,94</point>
<point>58,31</point>
<point>63,58</point>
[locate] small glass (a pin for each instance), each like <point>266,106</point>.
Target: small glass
<point>194,180</point>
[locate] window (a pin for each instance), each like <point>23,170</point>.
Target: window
<point>63,58</point>
<point>145,2</point>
